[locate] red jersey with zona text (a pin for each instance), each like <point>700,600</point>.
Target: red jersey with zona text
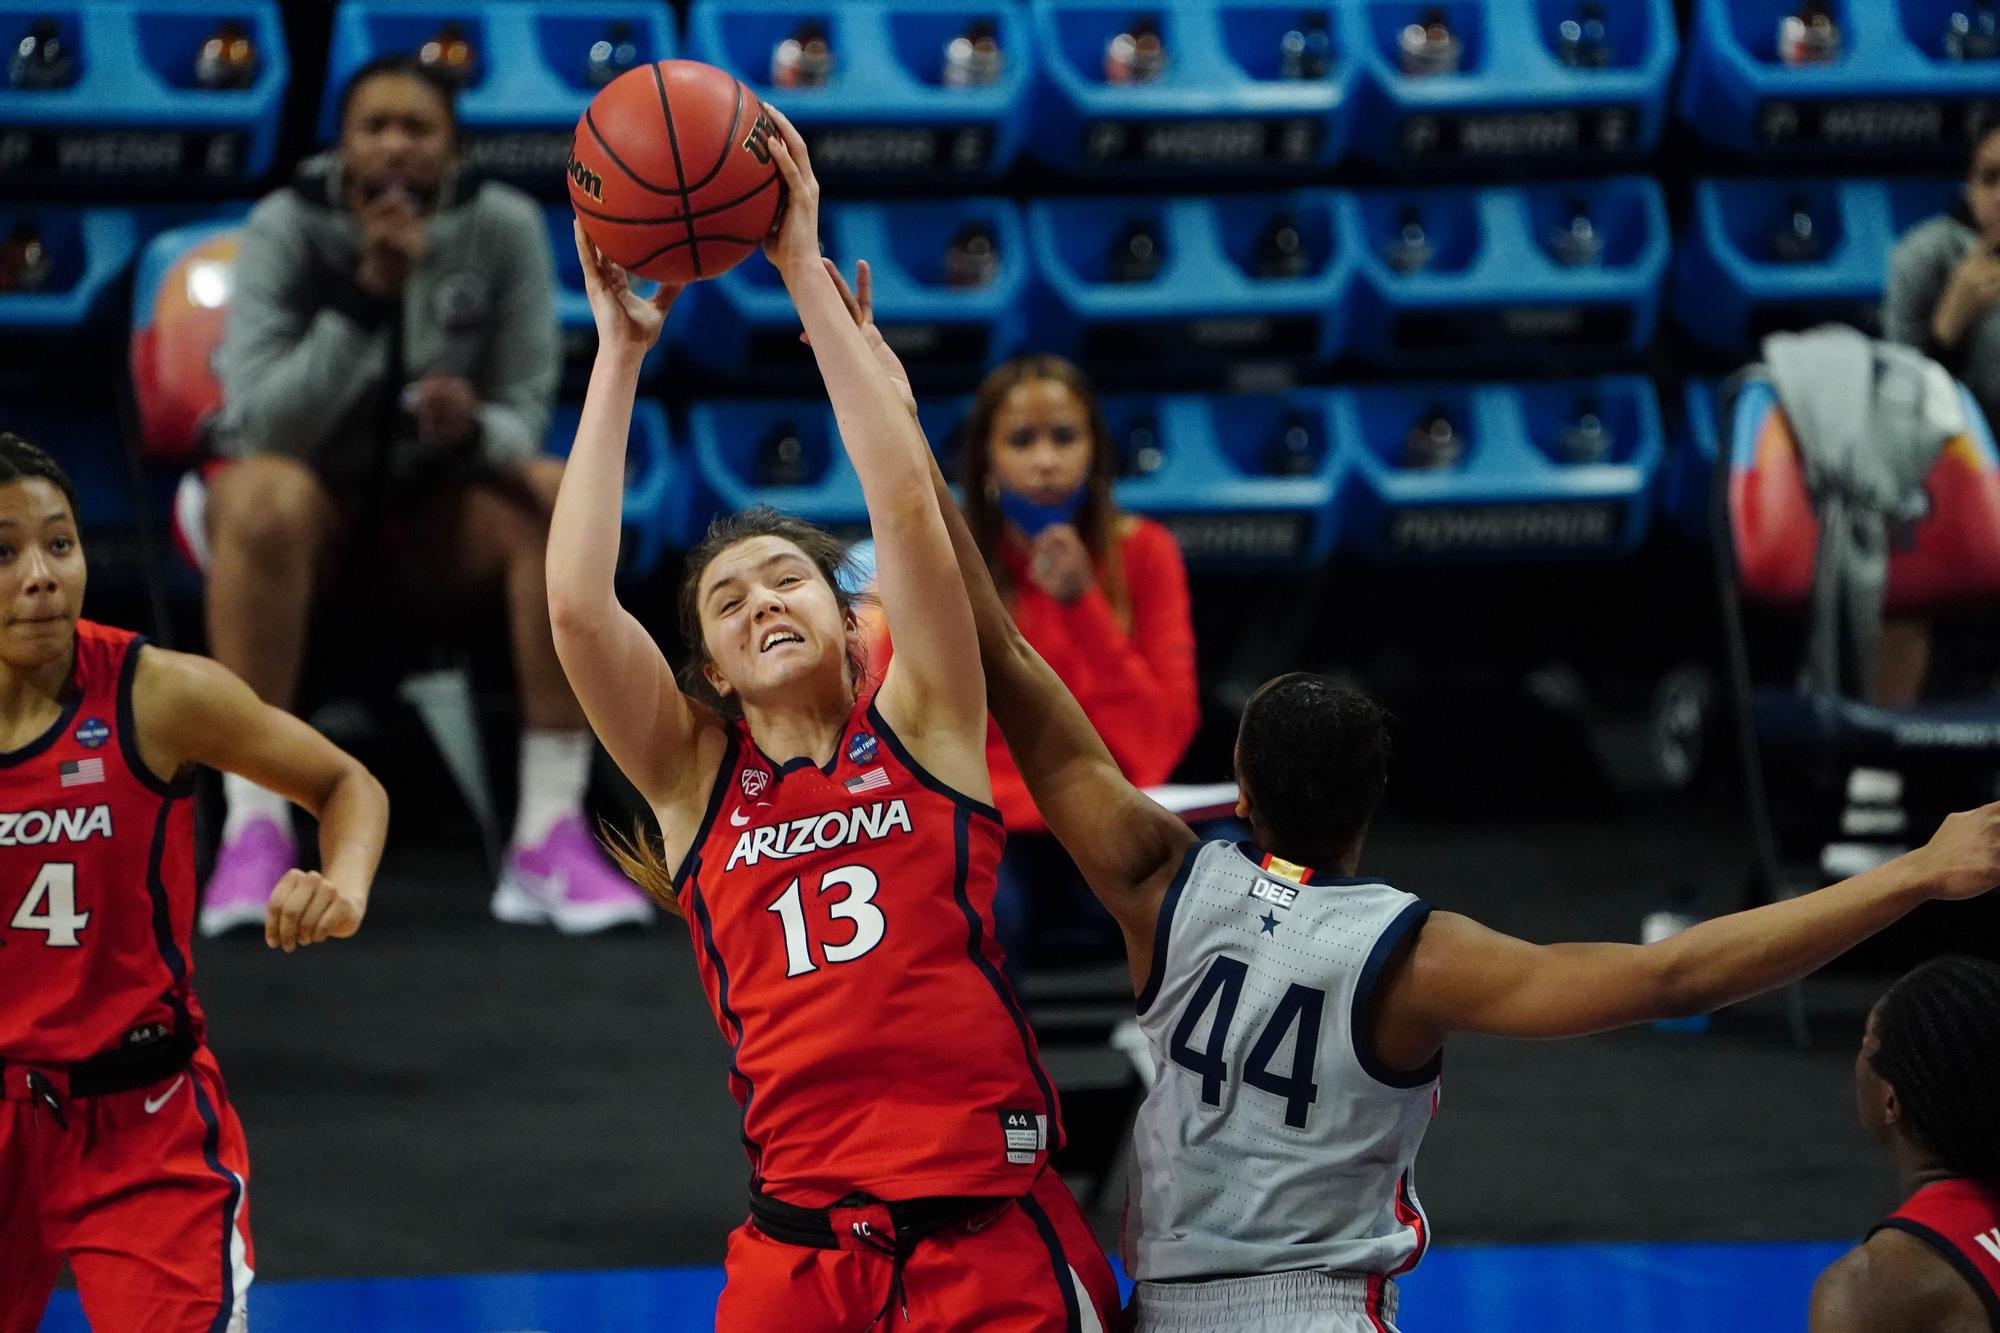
<point>1960,1220</point>
<point>843,926</point>
<point>97,890</point>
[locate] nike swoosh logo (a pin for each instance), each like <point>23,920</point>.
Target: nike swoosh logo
<point>155,1103</point>
<point>737,818</point>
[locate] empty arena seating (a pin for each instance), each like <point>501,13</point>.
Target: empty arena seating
<point>1193,197</point>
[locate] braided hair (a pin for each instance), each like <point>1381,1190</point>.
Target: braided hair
<point>1935,1036</point>
<point>21,461</point>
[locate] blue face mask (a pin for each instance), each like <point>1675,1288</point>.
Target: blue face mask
<point>1031,518</point>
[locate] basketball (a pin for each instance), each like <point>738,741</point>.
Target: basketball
<point>671,173</point>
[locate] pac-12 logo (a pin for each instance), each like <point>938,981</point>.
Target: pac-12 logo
<point>861,748</point>
<point>92,733</point>
<point>755,782</point>
<point>586,180</point>
<point>758,140</point>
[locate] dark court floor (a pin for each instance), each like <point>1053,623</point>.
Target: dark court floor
<point>443,1094</point>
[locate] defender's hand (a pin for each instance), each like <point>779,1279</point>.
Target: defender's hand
<point>1962,859</point>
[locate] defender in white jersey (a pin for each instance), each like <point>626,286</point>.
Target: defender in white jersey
<point>1274,1142</point>
<point>1297,1022</point>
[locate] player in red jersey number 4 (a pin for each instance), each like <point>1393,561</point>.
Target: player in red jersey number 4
<point>833,849</point>
<point>118,1147</point>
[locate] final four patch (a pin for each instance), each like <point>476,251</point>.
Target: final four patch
<point>861,748</point>
<point>92,732</point>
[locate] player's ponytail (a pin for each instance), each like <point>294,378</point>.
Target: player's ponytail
<point>644,861</point>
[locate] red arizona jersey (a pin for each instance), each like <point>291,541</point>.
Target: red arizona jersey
<point>96,876</point>
<point>1960,1220</point>
<point>843,926</point>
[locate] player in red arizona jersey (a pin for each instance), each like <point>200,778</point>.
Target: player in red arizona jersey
<point>833,851</point>
<point>1927,1085</point>
<point>119,1151</point>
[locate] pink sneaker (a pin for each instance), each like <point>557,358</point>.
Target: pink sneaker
<point>247,867</point>
<point>567,882</point>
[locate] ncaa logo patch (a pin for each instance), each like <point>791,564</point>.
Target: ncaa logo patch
<point>92,733</point>
<point>755,782</point>
<point>861,748</point>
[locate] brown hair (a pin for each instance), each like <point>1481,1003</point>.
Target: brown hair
<point>642,856</point>
<point>1099,521</point>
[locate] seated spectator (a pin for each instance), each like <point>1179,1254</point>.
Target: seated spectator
<point>1103,597</point>
<point>387,370</point>
<point>1943,298</point>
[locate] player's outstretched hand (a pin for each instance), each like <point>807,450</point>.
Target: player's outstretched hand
<point>625,321</point>
<point>860,299</point>
<point>1963,857</point>
<point>307,908</point>
<point>793,245</point>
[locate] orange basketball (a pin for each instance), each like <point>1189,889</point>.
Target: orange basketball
<point>671,172</point>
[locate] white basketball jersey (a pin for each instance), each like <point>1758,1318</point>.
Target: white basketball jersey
<point>1271,1139</point>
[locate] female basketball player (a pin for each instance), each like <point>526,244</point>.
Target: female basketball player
<point>833,850</point>
<point>118,1149</point>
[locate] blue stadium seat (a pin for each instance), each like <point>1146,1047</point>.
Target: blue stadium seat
<point>1234,490</point>
<point>1731,286</point>
<point>1687,479</point>
<point>745,324</point>
<point>89,250</point>
<point>730,437</point>
<point>1493,291</point>
<point>1220,105</point>
<point>133,113</point>
<point>885,113</point>
<point>1511,495</point>
<point>1205,302</point>
<point>1515,101</point>
<point>520,111</point>
<point>658,486</point>
<point>1892,90</point>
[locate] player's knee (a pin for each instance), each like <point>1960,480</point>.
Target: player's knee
<point>274,507</point>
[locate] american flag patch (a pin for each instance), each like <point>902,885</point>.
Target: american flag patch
<point>82,772</point>
<point>873,780</point>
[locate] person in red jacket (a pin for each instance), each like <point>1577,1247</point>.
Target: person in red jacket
<point>1101,594</point>
<point>1928,1088</point>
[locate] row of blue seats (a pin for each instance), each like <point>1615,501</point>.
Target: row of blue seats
<point>1246,86</point>
<point>1493,286</point>
<point>1418,473</point>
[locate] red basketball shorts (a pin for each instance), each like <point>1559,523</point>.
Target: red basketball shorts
<point>142,1191</point>
<point>1033,1268</point>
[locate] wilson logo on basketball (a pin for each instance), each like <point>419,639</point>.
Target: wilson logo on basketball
<point>758,141</point>
<point>586,180</point>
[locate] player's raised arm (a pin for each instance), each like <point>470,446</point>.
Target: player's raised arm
<point>1126,846</point>
<point>933,693</point>
<point>195,711</point>
<point>618,672</point>
<point>1461,977</point>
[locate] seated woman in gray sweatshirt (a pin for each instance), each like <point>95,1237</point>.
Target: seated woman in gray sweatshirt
<point>387,369</point>
<point>1943,298</point>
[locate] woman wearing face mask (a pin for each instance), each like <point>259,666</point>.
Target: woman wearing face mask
<point>1101,594</point>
